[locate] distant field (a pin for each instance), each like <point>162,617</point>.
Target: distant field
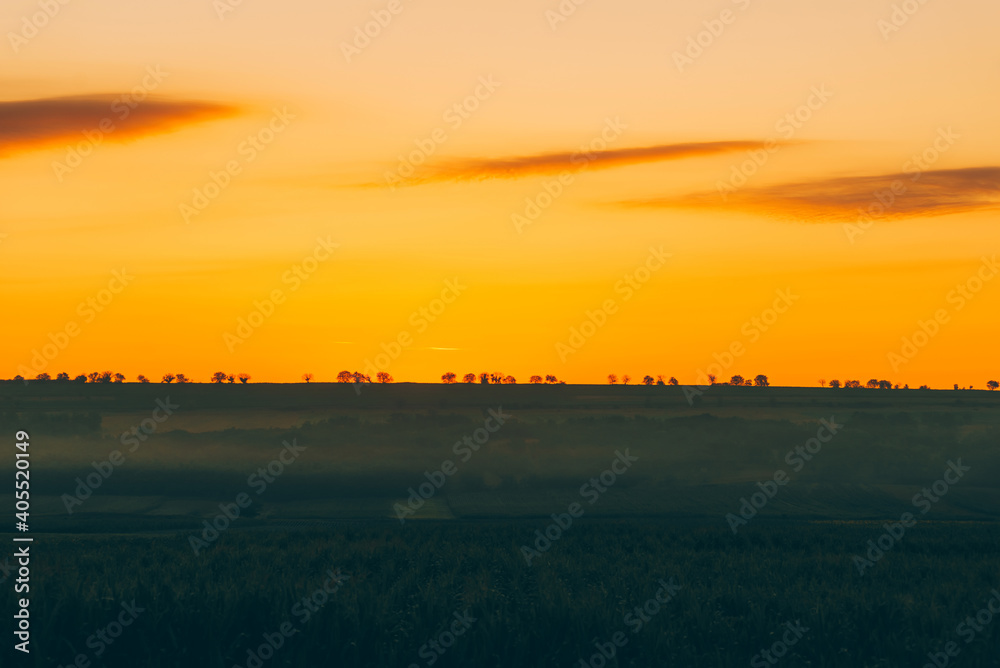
<point>363,452</point>
<point>666,513</point>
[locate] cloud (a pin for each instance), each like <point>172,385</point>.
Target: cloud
<point>31,124</point>
<point>553,163</point>
<point>931,193</point>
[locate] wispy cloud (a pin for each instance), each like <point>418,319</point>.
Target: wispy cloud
<point>552,163</point>
<point>29,124</point>
<point>931,193</point>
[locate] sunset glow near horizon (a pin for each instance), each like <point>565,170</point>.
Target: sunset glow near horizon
<point>530,187</point>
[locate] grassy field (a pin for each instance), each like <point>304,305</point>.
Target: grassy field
<point>406,583</point>
<point>669,515</point>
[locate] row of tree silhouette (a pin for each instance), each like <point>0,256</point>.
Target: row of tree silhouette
<point>109,377</point>
<point>759,381</point>
<point>447,378</point>
<point>483,378</point>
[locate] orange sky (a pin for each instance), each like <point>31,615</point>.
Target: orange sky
<point>530,162</point>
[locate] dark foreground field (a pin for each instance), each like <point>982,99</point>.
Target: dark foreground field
<point>732,596</point>
<point>878,546</point>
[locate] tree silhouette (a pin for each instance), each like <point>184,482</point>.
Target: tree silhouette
<point>43,376</point>
<point>872,384</point>
<point>853,384</point>
<point>885,385</point>
<point>659,380</point>
<point>834,384</point>
<point>648,380</point>
<point>344,377</point>
<point>510,380</point>
<point>218,377</point>
<point>496,378</point>
<point>142,379</point>
<point>625,379</point>
<point>736,380</point>
<point>535,380</point>
<point>551,379</point>
<point>761,380</point>
<point>307,377</point>
<point>469,378</point>
<point>711,379</point>
<point>168,377</point>
<point>80,379</point>
<point>181,378</point>
<point>62,376</point>
<point>244,378</point>
<point>612,378</point>
<point>359,377</point>
<point>672,381</point>
<point>484,378</point>
<point>383,377</point>
<point>119,378</point>
<point>992,385</point>
<point>822,383</point>
<point>448,378</point>
<point>105,377</point>
<point>230,379</point>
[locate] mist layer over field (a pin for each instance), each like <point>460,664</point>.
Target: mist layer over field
<point>504,451</point>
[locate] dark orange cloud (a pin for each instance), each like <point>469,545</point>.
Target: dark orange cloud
<point>552,163</point>
<point>907,194</point>
<point>29,124</point>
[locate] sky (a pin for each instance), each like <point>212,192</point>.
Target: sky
<point>803,190</point>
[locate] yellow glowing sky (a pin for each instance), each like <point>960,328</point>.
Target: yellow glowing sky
<point>893,93</point>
